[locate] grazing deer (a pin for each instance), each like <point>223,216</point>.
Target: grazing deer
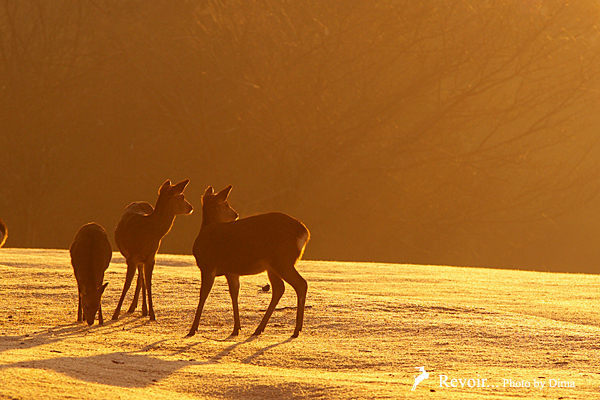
<point>90,256</point>
<point>138,235</point>
<point>232,247</point>
<point>3,233</point>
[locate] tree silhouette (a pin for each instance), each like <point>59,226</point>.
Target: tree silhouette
<point>397,130</point>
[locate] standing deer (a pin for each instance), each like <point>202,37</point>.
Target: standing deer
<point>229,246</point>
<point>3,233</point>
<point>90,256</point>
<point>138,235</point>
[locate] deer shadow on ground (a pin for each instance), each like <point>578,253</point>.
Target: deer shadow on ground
<point>226,351</point>
<point>47,336</point>
<point>61,332</point>
<point>124,369</point>
<point>134,369</point>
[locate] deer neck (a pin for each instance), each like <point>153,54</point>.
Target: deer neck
<point>162,218</point>
<point>208,219</point>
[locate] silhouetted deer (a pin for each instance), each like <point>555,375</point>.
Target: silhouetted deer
<point>138,236</point>
<point>90,256</point>
<point>3,233</point>
<point>232,247</point>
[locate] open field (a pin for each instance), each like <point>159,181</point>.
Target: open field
<point>367,328</point>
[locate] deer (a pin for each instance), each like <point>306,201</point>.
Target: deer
<point>227,245</point>
<point>90,257</point>
<point>138,236</point>
<point>3,233</point>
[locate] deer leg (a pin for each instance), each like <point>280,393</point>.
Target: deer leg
<point>100,320</point>
<point>138,285</point>
<point>144,302</point>
<point>128,279</point>
<point>234,289</point>
<point>291,276</point>
<point>79,310</point>
<point>278,288</point>
<point>148,268</point>
<point>142,285</point>
<point>208,280</point>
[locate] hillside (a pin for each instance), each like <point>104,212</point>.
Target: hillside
<point>367,328</point>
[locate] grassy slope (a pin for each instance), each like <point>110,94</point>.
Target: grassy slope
<point>366,329</point>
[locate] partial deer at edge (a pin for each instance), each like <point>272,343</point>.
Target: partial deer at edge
<point>90,256</point>
<point>3,233</point>
<point>138,235</point>
<point>229,246</point>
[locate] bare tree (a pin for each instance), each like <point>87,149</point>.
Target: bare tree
<point>398,130</point>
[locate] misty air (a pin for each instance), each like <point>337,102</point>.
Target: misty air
<point>340,199</point>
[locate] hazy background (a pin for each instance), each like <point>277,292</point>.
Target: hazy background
<point>434,131</point>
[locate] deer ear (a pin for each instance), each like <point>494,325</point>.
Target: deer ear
<point>180,187</point>
<point>223,194</point>
<point>209,190</point>
<point>101,288</point>
<point>164,186</point>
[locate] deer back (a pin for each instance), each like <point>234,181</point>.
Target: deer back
<point>135,234</point>
<point>90,255</point>
<point>244,246</point>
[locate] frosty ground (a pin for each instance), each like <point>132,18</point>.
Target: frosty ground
<point>367,329</point>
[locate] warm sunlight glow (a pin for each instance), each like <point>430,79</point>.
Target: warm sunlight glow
<point>368,329</point>
<point>170,171</point>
